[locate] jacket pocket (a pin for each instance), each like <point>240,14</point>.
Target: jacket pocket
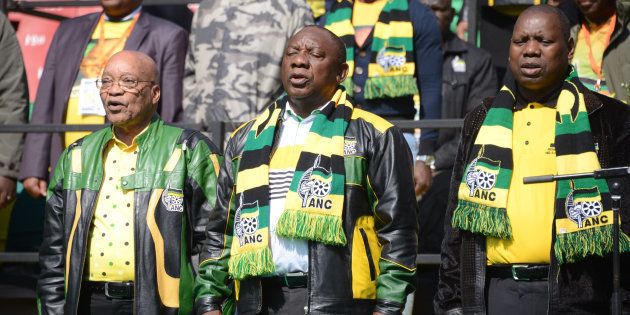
<point>365,255</point>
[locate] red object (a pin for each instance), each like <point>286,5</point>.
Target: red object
<point>35,35</point>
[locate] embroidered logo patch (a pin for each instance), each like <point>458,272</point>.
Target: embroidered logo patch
<point>482,175</point>
<point>173,199</point>
<point>315,184</point>
<point>246,222</point>
<point>349,146</point>
<point>391,57</point>
<point>582,204</point>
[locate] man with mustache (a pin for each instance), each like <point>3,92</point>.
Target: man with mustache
<point>316,207</point>
<point>126,207</point>
<point>511,248</point>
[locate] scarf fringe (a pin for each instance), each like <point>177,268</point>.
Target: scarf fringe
<point>253,263</point>
<point>572,247</point>
<point>393,86</point>
<point>476,218</point>
<point>321,228</point>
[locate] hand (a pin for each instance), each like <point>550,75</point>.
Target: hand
<point>35,187</point>
<point>7,191</point>
<point>422,177</point>
<point>461,30</point>
<point>215,312</point>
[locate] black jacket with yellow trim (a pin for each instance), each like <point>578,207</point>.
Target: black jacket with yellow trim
<point>374,271</point>
<point>583,287</point>
<point>170,160</point>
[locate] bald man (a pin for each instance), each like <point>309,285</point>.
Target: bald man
<point>511,248</point>
<point>126,207</point>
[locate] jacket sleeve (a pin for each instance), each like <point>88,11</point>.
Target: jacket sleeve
<point>390,178</point>
<point>52,258</point>
<point>428,54</point>
<point>203,169</point>
<point>448,299</point>
<point>35,157</point>
<point>13,98</point>
<point>213,285</point>
<point>172,75</point>
<point>482,84</point>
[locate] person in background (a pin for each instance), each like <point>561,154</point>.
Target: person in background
<point>126,207</point>
<point>76,57</point>
<point>602,47</point>
<point>515,248</point>
<point>233,62</point>
<point>13,109</point>
<point>393,51</point>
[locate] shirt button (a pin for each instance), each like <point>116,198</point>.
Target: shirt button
<point>356,89</point>
<point>531,106</point>
<point>124,183</point>
<point>362,53</point>
<point>526,142</point>
<point>529,123</point>
<point>358,70</point>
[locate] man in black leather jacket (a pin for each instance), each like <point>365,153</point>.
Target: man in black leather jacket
<point>372,270</point>
<point>479,274</point>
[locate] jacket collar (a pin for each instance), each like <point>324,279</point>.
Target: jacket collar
<point>454,45</point>
<point>139,32</point>
<point>591,101</point>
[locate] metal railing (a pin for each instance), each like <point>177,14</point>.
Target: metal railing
<point>218,131</point>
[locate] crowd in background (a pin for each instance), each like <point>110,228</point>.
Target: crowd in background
<point>223,65</point>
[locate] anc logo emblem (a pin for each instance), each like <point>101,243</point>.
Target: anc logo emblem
<point>482,174</point>
<point>391,57</point>
<point>582,204</point>
<point>315,183</point>
<point>245,225</point>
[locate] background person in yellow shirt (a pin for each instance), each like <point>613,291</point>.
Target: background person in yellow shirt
<point>127,206</point>
<point>515,249</point>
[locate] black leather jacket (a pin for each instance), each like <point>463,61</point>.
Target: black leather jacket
<point>169,159</point>
<point>578,288</point>
<point>379,221</point>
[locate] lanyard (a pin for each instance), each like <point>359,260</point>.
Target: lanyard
<point>597,68</point>
<point>103,56</point>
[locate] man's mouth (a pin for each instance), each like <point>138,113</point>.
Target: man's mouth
<point>531,69</point>
<point>115,106</point>
<point>298,80</point>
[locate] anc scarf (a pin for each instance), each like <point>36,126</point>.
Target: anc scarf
<point>583,215</point>
<point>392,66</point>
<point>314,202</point>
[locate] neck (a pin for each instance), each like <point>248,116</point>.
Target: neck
<point>114,14</point>
<point>126,134</point>
<point>546,96</point>
<point>602,16</point>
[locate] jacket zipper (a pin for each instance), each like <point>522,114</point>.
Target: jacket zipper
<point>135,240</point>
<point>368,253</point>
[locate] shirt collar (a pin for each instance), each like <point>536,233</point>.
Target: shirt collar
<point>548,101</point>
<point>290,113</point>
<point>123,146</point>
<point>126,18</point>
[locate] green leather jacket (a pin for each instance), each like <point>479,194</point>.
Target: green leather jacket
<point>170,160</point>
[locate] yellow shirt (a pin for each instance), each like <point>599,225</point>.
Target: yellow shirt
<point>114,42</point>
<point>530,208</point>
<point>111,240</point>
<point>581,61</point>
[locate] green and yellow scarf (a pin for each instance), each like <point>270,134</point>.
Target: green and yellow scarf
<point>583,219</point>
<point>314,203</point>
<point>392,66</point>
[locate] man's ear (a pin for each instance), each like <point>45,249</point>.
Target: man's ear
<point>571,48</point>
<point>155,94</point>
<point>343,72</point>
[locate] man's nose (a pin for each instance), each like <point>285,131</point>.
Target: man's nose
<point>531,49</point>
<point>116,89</point>
<point>300,60</point>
